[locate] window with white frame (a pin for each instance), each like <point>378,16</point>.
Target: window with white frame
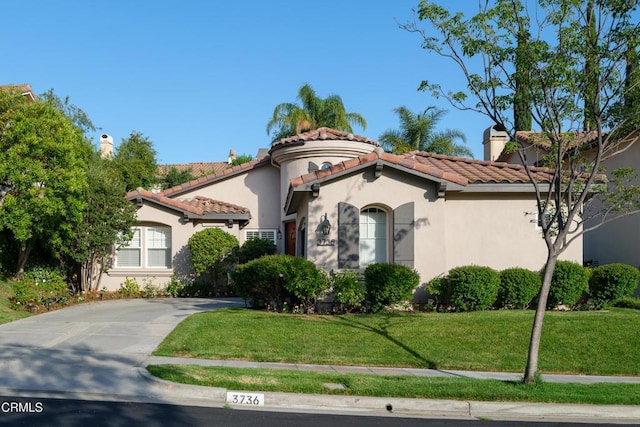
<point>373,236</point>
<point>260,234</point>
<point>150,247</point>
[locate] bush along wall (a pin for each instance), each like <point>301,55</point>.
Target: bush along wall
<point>518,288</point>
<point>569,284</point>
<point>611,282</point>
<point>473,287</point>
<point>388,284</point>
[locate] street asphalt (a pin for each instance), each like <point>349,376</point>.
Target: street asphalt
<point>99,351</point>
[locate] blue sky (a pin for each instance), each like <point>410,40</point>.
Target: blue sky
<point>202,77</point>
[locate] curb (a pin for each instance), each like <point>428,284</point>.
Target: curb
<point>215,396</point>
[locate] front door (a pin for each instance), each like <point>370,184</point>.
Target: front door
<point>290,238</point>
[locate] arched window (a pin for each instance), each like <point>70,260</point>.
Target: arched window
<point>373,236</point>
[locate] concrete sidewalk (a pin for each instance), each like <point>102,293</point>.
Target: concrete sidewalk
<point>99,352</point>
<point>404,406</point>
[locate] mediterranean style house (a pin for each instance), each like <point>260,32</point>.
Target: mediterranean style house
<point>616,241</point>
<point>340,201</point>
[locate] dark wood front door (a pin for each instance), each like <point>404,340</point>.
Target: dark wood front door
<point>290,238</point>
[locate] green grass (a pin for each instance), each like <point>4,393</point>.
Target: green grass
<point>594,343</point>
<point>250,379</point>
<point>7,314</point>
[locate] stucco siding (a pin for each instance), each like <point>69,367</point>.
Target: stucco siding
<point>497,230</point>
<point>256,190</point>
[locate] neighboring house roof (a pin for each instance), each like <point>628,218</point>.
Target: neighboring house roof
<point>323,134</point>
<point>197,169</point>
<point>24,89</point>
<point>195,208</point>
<point>210,179</point>
<point>541,140</point>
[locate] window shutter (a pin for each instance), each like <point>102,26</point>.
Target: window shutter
<point>403,243</point>
<point>348,236</point>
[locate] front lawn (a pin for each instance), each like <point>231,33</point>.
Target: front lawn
<point>594,343</point>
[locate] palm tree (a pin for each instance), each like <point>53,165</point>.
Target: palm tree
<point>417,132</point>
<point>313,113</point>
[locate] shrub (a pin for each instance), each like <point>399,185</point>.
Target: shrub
<point>212,250</point>
<point>256,248</point>
<point>272,279</point>
<point>611,282</point>
<point>439,289</point>
<point>628,302</point>
<point>41,288</point>
<point>518,287</point>
<point>388,284</point>
<point>304,281</point>
<point>349,291</point>
<point>260,281</point>
<point>473,287</point>
<point>568,283</point>
<point>129,288</point>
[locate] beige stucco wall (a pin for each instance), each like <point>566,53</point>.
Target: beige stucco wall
<point>488,229</point>
<point>294,159</point>
<point>498,230</point>
<point>256,190</point>
<point>181,231</point>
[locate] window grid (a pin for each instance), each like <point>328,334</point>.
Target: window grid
<point>261,234</point>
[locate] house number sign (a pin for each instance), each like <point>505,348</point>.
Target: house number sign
<point>325,242</point>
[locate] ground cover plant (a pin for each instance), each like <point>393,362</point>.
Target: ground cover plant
<point>579,342</point>
<point>251,379</point>
<point>7,313</point>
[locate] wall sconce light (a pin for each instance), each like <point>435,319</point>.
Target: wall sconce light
<point>325,225</point>
<point>230,223</point>
<point>279,235</point>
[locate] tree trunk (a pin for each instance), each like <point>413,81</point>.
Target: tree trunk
<point>23,256</point>
<point>536,331</point>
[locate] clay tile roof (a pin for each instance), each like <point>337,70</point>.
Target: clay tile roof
<point>208,205</point>
<point>479,171</point>
<point>324,133</point>
<point>196,205</point>
<point>458,170</point>
<point>225,172</point>
<point>197,169</point>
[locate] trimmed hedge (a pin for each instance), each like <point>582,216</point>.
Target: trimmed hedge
<point>473,287</point>
<point>569,282</point>
<point>255,248</point>
<point>349,291</point>
<point>388,284</point>
<point>611,282</point>
<point>518,287</point>
<point>271,280</point>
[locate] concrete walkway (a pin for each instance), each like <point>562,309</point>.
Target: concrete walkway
<point>100,350</point>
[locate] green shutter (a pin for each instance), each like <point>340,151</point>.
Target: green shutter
<point>348,236</point>
<point>403,242</point>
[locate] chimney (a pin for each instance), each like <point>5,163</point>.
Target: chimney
<point>494,140</point>
<point>106,146</point>
<point>232,156</point>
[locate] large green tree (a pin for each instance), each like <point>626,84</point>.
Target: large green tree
<point>311,113</point>
<point>563,69</point>
<point>107,219</point>
<point>418,132</point>
<point>135,158</point>
<point>42,175</point>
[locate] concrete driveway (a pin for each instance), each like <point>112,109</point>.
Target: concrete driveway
<point>91,348</point>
